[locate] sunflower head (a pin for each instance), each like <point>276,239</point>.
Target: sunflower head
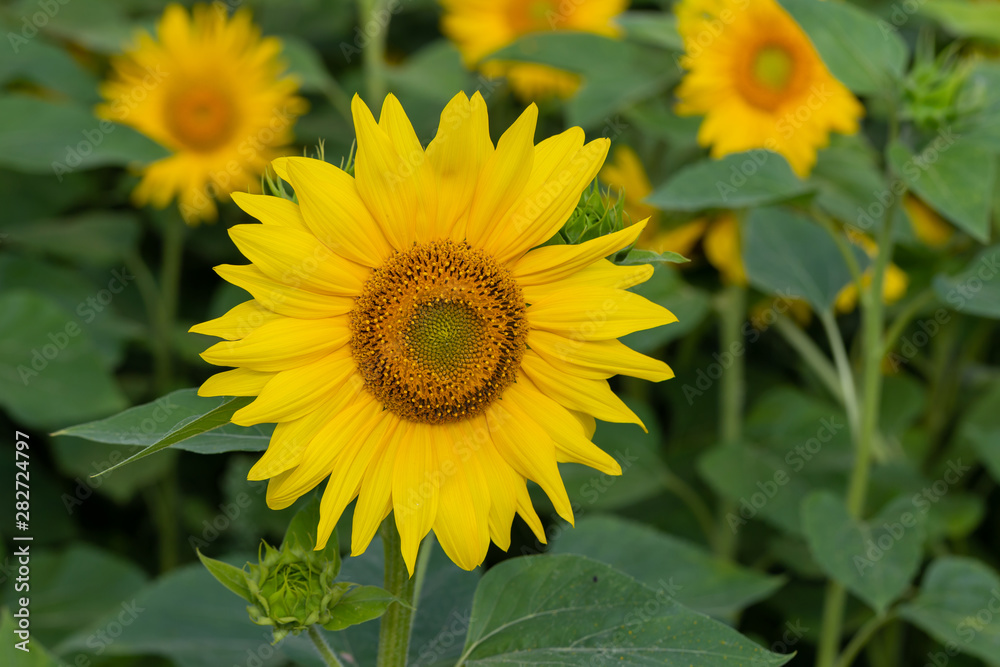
<point>415,339</point>
<point>759,82</point>
<point>481,28</point>
<point>209,89</point>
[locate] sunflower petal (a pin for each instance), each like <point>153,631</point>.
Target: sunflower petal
<point>237,382</point>
<point>544,265</point>
<point>284,299</point>
<point>415,489</point>
<point>270,210</point>
<point>238,322</point>
<point>598,314</point>
<point>599,357</point>
<point>281,344</point>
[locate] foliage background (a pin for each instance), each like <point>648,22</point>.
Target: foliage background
<point>105,547</point>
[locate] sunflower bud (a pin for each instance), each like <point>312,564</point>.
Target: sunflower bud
<point>294,587</point>
<point>935,93</point>
<point>595,215</point>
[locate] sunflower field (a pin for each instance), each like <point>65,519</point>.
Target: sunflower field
<point>499,332</point>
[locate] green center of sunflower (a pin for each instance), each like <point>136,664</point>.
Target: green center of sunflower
<point>533,15</point>
<point>200,117</point>
<point>438,332</point>
<point>772,67</point>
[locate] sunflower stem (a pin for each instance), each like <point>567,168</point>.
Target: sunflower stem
<point>324,650</point>
<point>374,12</point>
<point>397,622</point>
<point>732,306</point>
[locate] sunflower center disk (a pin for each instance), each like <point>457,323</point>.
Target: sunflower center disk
<point>201,117</point>
<point>772,67</point>
<point>438,332</point>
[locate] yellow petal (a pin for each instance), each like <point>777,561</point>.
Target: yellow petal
<point>298,259</point>
<point>544,265</point>
<point>528,449</point>
<point>502,480</point>
<point>397,126</point>
<point>503,177</point>
<point>282,344</point>
<point>462,521</point>
<point>334,211</point>
<point>591,359</point>
<point>542,212</point>
<point>415,489</point>
<point>238,322</point>
<point>562,427</point>
<point>598,314</point>
<point>270,210</point>
<point>237,382</point>
<point>295,393</point>
<point>457,154</point>
<point>384,179</point>
<point>592,396</point>
<point>284,299</point>
<point>375,497</point>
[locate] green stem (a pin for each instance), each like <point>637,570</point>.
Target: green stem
<point>397,622</point>
<point>149,291</point>
<point>814,357</point>
<point>692,500</point>
<point>861,638</point>
<point>324,650</point>
<point>845,375</point>
<point>373,57</point>
<point>732,306</point>
<point>170,276</point>
<point>906,315</point>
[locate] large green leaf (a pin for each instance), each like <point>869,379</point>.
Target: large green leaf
<point>975,290</point>
<point>953,175</point>
<point>98,239</point>
<point>47,138</point>
<point>656,28</point>
<point>35,655</point>
<point>50,371</point>
<point>981,429</point>
<point>704,582</point>
<point>876,559</point>
<point>965,19</point>
<point>615,73</point>
<point>181,419</point>
<point>544,610</point>
<point>71,587</point>
<point>185,616</point>
<point>740,180</point>
<point>791,256</point>
<point>958,599</point>
<point>847,179</point>
<point>857,49</point>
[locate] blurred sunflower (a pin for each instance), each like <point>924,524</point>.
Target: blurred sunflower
<point>759,83</point>
<point>481,27</point>
<point>894,283</point>
<point>210,90</point>
<point>394,309</point>
<point>928,226</point>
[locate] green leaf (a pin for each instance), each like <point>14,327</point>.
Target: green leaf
<point>46,138</point>
<point>636,256</point>
<point>847,179</point>
<point>791,256</point>
<point>79,459</point>
<point>97,239</point>
<point>167,417</point>
<point>228,575</point>
<point>981,429</point>
<point>571,610</point>
<point>655,28</point>
<point>305,65</point>
<point>955,176</point>
<point>184,616</point>
<point>705,583</point>
<point>965,19</point>
<point>958,598</point>
<point>615,73</point>
<point>740,180</point>
<point>207,420</point>
<point>976,290</point>
<point>44,355</point>
<point>11,655</point>
<point>364,603</point>
<point>861,52</point>
<point>875,560</point>
<point>72,586</point>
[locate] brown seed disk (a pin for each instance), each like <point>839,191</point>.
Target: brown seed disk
<point>439,332</point>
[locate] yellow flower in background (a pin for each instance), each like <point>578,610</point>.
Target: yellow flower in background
<point>894,283</point>
<point>211,91</point>
<point>759,82</point>
<point>723,248</point>
<point>481,27</point>
<point>393,310</point>
<point>929,227</point>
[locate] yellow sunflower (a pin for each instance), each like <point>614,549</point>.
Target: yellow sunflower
<point>210,90</point>
<point>928,226</point>
<point>894,282</point>
<point>481,27</point>
<point>393,310</point>
<point>759,82</point>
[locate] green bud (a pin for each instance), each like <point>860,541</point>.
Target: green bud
<point>596,215</point>
<point>934,92</point>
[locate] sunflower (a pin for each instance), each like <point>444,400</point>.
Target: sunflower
<point>481,27</point>
<point>927,225</point>
<point>211,91</point>
<point>894,282</point>
<point>412,341</point>
<point>759,82</point>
